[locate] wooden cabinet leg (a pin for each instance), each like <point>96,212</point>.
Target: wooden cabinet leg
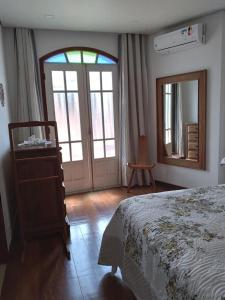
<point>67,252</point>
<point>64,243</point>
<point>68,230</point>
<point>67,227</point>
<point>130,182</point>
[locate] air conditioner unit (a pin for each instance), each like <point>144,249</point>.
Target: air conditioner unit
<point>181,39</point>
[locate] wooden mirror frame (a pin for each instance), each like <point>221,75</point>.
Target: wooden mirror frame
<point>201,76</point>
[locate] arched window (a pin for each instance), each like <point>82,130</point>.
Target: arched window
<point>81,56</point>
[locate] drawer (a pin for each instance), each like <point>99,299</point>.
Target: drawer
<point>192,137</point>
<point>40,203</point>
<point>36,168</point>
<point>192,129</point>
<point>192,146</point>
<point>193,154</point>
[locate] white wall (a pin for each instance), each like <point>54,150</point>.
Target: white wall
<point>50,40</point>
<point>4,153</point>
<point>208,57</point>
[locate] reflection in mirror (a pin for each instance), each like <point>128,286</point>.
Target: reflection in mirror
<point>180,120</point>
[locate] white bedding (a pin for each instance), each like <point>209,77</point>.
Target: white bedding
<point>170,245</point>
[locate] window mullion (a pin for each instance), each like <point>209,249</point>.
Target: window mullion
<point>103,117</point>
<point>67,115</point>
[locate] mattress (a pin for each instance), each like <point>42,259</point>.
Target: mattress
<point>170,245</point>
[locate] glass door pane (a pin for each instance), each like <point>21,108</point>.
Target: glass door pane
<point>74,116</point>
<point>61,116</point>
<point>110,148</point>
<point>98,149</point>
<point>96,112</point>
<point>108,115</point>
<point>102,113</point>
<point>67,114</point>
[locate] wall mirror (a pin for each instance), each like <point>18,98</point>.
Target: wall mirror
<point>181,111</point>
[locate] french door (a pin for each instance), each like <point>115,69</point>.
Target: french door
<point>83,99</point>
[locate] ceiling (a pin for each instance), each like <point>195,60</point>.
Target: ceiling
<point>103,15</point>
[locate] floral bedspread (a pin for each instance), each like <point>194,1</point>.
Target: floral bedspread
<point>170,245</point>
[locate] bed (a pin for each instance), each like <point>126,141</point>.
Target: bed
<point>170,245</point>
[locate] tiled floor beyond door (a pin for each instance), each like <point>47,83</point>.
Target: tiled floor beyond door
<point>47,274</point>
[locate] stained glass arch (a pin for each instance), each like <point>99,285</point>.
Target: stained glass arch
<point>79,56</point>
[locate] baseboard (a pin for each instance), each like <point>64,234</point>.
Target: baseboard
<point>170,185</point>
<point>92,190</point>
<point>166,185</point>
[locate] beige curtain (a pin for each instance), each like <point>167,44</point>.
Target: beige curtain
<point>134,111</point>
<point>28,106</point>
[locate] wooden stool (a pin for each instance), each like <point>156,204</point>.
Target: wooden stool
<point>142,162</point>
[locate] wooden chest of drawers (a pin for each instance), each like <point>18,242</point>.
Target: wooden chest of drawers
<point>3,242</point>
<point>192,144</point>
<point>39,188</point>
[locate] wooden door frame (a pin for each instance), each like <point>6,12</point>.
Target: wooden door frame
<point>3,242</point>
<point>115,91</point>
<point>62,50</point>
<point>83,70</point>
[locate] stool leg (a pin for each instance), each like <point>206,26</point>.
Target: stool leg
<point>130,182</point>
<point>152,178</point>
<point>114,270</point>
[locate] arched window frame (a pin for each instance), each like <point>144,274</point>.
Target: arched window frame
<point>43,59</point>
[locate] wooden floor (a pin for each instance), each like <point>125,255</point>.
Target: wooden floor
<point>47,274</point>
